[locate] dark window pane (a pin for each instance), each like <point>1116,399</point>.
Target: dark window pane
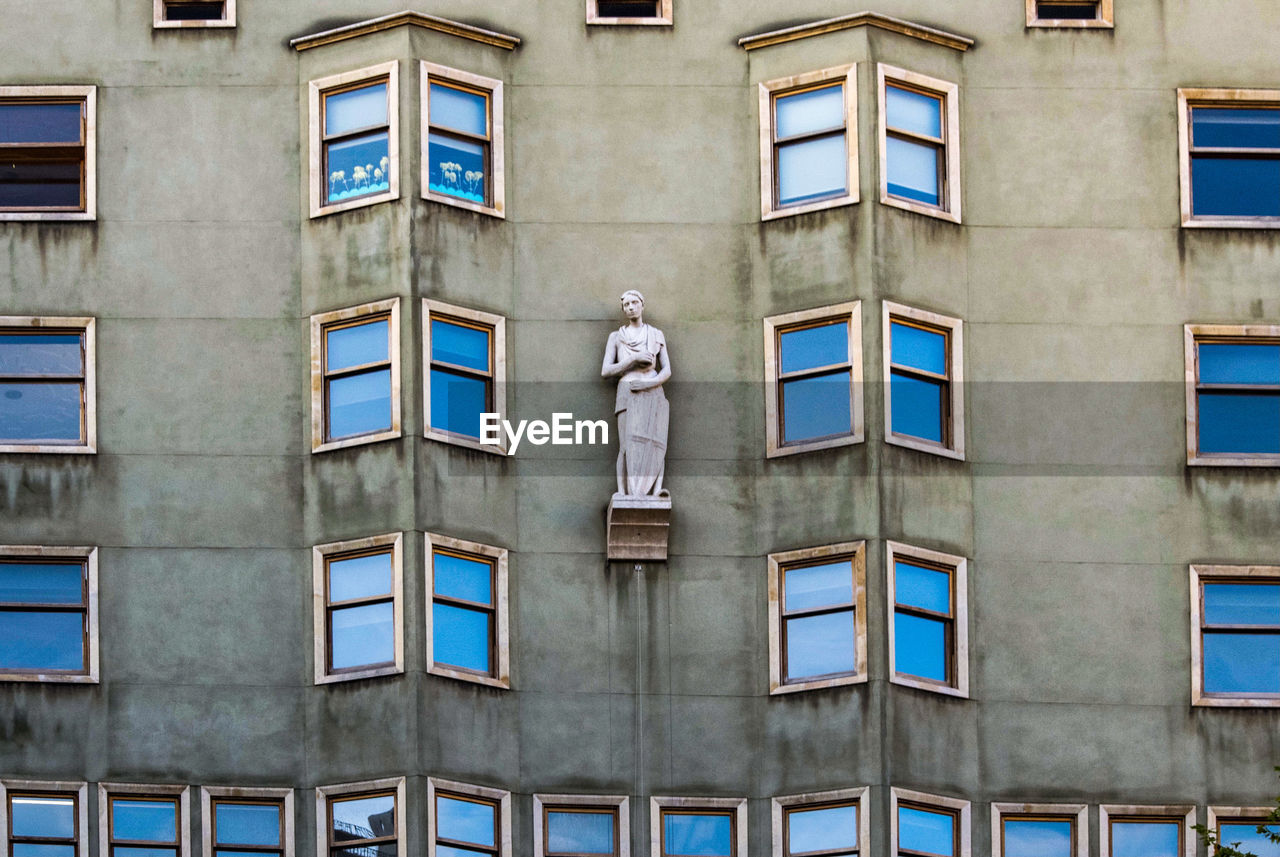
<point>1241,663</point>
<point>248,824</point>
<point>810,347</point>
<point>580,832</point>
<point>40,412</point>
<point>818,585</point>
<point>698,835</point>
<point>816,407</point>
<point>41,583</point>
<point>24,122</point>
<point>383,849</point>
<point>461,111</point>
<point>1236,422</point>
<point>40,354</point>
<point>193,12</point>
<point>913,111</point>
<point>806,112</point>
<point>626,9</point>
<point>465,821</point>
<point>460,637</point>
<point>829,829</point>
<point>1067,11</point>
<point>43,816</point>
<point>450,851</point>
<point>812,169</point>
<point>926,588</point>
<point>359,577</point>
<point>358,167</point>
<point>1242,603</point>
<point>917,407</point>
<point>365,107</point>
<point>922,830</point>
<point>1032,838</point>
<point>820,645</point>
<point>363,818</point>
<point>918,348</point>
<point>40,183</point>
<point>356,345</point>
<point>1246,837</point>
<point>1144,839</point>
<point>1239,363</point>
<point>1235,128</point>
<point>920,646</point>
<point>150,820</point>
<point>457,167</point>
<point>457,402</point>
<point>363,636</point>
<point>32,849</point>
<point>360,404</point>
<point>41,641</point>
<point>131,851</point>
<point>1241,187</point>
<point>459,577</point>
<point>459,345</point>
<point>221,853</point>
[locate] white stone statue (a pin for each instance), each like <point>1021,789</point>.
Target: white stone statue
<point>637,356</point>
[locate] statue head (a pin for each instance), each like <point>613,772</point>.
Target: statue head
<point>632,303</point>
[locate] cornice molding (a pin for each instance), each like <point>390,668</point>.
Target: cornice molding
<point>857,19</point>
<point>407,18</point>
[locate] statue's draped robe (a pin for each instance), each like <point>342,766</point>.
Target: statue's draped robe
<point>644,449</point>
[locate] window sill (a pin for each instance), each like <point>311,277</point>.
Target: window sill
<point>814,446</point>
<point>629,22</point>
<point>188,25</point>
<point>1203,701</point>
<point>925,446</point>
<point>495,210</point>
<point>355,675</point>
<point>466,440</point>
<point>348,205</point>
<point>816,684</point>
<point>767,213</point>
<point>48,216</point>
<point>920,208</point>
<point>501,682</point>
<point>1070,24</point>
<point>1192,222</point>
<point>52,678</point>
<point>50,449</point>
<point>363,439</point>
<point>932,687</point>
<point>1233,461</point>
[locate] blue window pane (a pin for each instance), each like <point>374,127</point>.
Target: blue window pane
<point>818,586</point>
<point>920,646</point>
<point>1032,838</point>
<point>922,830</point>
<point>458,577</point>
<point>1242,603</point>
<point>40,412</point>
<point>465,821</point>
<point>359,167</point>
<point>363,817</point>
<point>816,407</point>
<point>43,816</point>
<point>918,348</point>
<point>460,637</point>
<point>820,645</point>
<point>450,851</point>
<point>144,820</point>
<point>1244,187</point>
<point>831,829</point>
<point>356,108</point>
<point>132,851</point>
<point>457,167</point>
<point>41,583</point>
<point>459,345</point>
<point>812,169</point>
<point>39,123</point>
<point>382,849</point>
<point>1241,663</point>
<point>580,832</point>
<point>1243,128</point>
<point>457,402</point>
<point>806,112</point>
<point>360,577</point>
<point>363,635</point>
<point>357,345</point>
<point>248,824</point>
<point>697,835</point>
<point>811,347</point>
<point>912,111</point>
<point>1239,363</point>
<point>913,171</point>
<point>926,588</point>
<point>238,853</point>
<point>917,407</point>
<point>360,404</point>
<point>34,849</point>
<point>1246,838</point>
<point>1235,422</point>
<point>40,354</point>
<point>461,111</point>
<point>41,641</point>
<point>1144,839</point>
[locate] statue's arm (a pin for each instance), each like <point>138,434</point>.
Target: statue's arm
<point>663,373</point>
<point>612,366</point>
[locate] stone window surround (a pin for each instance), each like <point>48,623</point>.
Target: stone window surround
<point>857,552</point>
<point>858,796</point>
<point>954,328</point>
<point>960,808</point>
<point>950,95</point>
<point>1185,815</point>
<point>228,18</point>
<point>136,790</point>
<point>317,181</point>
<point>388,784</point>
<point>502,642</point>
<point>713,804</point>
<point>768,170</point>
<point>1203,97</point>
<point>208,794</point>
<point>1078,811</point>
<point>496,137</point>
<point>1105,19</point>
<point>499,797</point>
<point>1198,575</point>
<point>89,95</point>
<point>89,555</point>
<point>320,602</point>
<point>620,803</point>
<point>78,790</point>
<point>1218,814</point>
<point>960,622</point>
<point>320,321</point>
<point>498,344</point>
<point>1191,373</point>
<point>89,416</point>
<point>663,19</point>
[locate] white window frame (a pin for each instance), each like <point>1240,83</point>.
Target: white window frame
<point>208,794</point>
<point>960,808</point>
<point>949,93</point>
<point>1199,575</point>
<point>768,90</point>
<point>619,803</point>
<point>497,139</point>
<point>1213,97</point>
<point>1105,19</point>
<point>139,790</point>
<point>778,804</point>
<point>713,804</point>
<point>502,642</point>
<point>89,555</point>
<point>319,323</point>
<point>960,623</point>
<point>1192,333</point>
<point>1250,814</point>
<point>500,797</point>
<point>1184,815</point>
<point>89,94</point>
<point>78,790</point>
<point>320,603</point>
<point>317,181</point>
<point>1079,811</point>
<point>954,328</point>
<point>774,446</point>
<point>89,404</point>
<point>325,793</point>
<point>159,22</point>
<point>664,18</point>
<point>498,341</point>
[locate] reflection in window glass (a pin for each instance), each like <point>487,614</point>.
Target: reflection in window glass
<point>818,635</point>
<point>914,145</point>
<point>356,141</point>
<point>1240,624</point>
<point>357,378</point>
<point>926,831</point>
<point>244,829</point>
<point>1235,161</point>
<point>461,375</point>
<point>1244,836</point>
<point>1135,838</point>
<point>1038,837</point>
<point>810,145</point>
<point>832,829</point>
<point>815,378</point>
<point>697,834</point>
<point>44,164</point>
<point>919,382</point>
<point>138,821</point>
<point>361,611</point>
<point>923,621</point>
<point>1056,10</point>
<point>42,825</point>
<point>42,383</point>
<point>363,826</point>
<point>1238,397</point>
<point>43,607</point>
<point>580,831</point>
<point>462,611</point>
<point>458,143</point>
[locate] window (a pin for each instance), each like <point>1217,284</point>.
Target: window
<point>361,819</point>
<point>1229,157</point>
<point>241,822</point>
<point>1039,830</point>
<point>808,157</point>
<point>1233,394</point>
<point>817,617</point>
<point>697,827</point>
<point>359,621</point>
<point>462,152</point>
<point>47,384</point>
<point>143,819</point>
<point>925,825</point>
<point>1238,826</point>
<point>44,819</point>
<point>355,375</point>
<point>923,365</point>
<point>641,12</point>
<point>467,820</point>
<point>465,354</point>
<point>929,637</point>
<point>1150,831</point>
<point>49,614</point>
<point>919,143</point>
<point>571,825</point>
<point>1235,635</point>
<point>1069,13</point>
<point>193,13</point>
<point>47,169</point>
<point>354,139</point>
<point>467,611</point>
<point>831,823</point>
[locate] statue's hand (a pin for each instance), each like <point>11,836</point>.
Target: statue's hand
<point>642,361</point>
<point>638,386</point>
